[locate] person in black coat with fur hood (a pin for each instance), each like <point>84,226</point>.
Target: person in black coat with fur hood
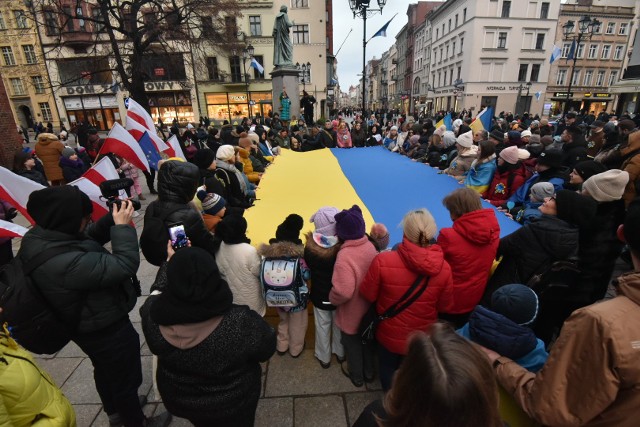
<point>320,254</point>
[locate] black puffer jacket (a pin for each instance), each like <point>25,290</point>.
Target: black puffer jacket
<point>320,261</point>
<point>574,152</point>
<point>90,281</point>
<point>531,250</point>
<point>177,184</point>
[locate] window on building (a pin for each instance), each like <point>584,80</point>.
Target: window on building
<point>437,33</point>
<point>459,73</point>
<point>502,40</point>
<point>17,87</point>
<point>450,77</point>
<point>230,27</point>
<point>449,25</point>
<point>235,67</point>
<point>624,28</point>
<point>506,9</point>
<point>174,23</point>
<point>29,54</point>
<point>447,54</point>
<point>301,34</point>
<point>566,47</point>
<point>453,49</point>
<point>150,19</point>
<point>522,72</point>
<point>576,78</point>
<point>299,3</point>
<point>7,56</point>
<point>593,51</point>
<point>258,76</point>
<point>611,28</point>
<point>580,51</point>
<point>588,76</point>
<point>600,78</point>
<point>461,43</point>
<point>445,77</point>
<point>45,110</point>
<point>128,20</point>
<point>3,24</point>
<point>613,77</point>
<point>544,10</point>
<point>441,53</point>
<point>618,52</point>
<point>443,29</point>
<point>606,51</point>
<point>464,15</point>
<point>67,19</point>
<point>38,84</point>
<point>21,19</point>
<point>255,25</point>
<point>456,20</point>
<point>98,20</point>
<point>540,41</point>
<point>561,77</point>
<point>597,29</point>
<point>50,24</point>
<point>213,73</point>
<point>535,72</point>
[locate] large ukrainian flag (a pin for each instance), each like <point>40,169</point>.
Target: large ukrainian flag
<point>385,185</point>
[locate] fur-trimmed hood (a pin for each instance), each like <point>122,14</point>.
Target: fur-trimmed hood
<point>318,251</point>
<point>281,249</point>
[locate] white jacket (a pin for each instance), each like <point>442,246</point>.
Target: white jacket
<point>239,265</point>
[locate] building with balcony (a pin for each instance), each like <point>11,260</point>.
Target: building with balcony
<point>627,88</point>
<point>23,67</point>
<point>484,52</point>
<point>599,59</point>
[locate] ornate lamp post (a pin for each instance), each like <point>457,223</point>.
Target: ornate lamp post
<point>304,71</point>
<point>247,53</point>
<point>362,9</point>
<point>519,97</point>
<point>586,27</point>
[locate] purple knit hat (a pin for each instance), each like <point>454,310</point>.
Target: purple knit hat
<point>325,221</point>
<point>350,224</point>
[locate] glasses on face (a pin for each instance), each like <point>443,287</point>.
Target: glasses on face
<point>553,198</point>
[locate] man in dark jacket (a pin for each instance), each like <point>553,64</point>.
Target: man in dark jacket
<point>574,148</point>
<point>92,290</point>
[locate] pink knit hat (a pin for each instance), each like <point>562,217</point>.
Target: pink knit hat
<point>510,154</point>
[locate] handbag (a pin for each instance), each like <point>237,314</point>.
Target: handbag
<point>371,319</point>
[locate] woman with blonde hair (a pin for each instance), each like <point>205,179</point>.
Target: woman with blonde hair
<point>444,381</point>
<point>417,264</point>
<point>49,149</point>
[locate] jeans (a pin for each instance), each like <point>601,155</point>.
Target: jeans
<point>327,335</point>
<point>388,364</point>
<point>359,357</point>
<point>117,369</point>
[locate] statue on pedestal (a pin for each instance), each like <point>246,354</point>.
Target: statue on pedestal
<point>282,45</point>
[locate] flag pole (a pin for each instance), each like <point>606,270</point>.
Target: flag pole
<point>344,41</point>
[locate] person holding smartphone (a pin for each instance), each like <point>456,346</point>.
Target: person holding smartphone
<point>93,289</point>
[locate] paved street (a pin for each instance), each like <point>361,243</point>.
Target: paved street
<point>296,392</point>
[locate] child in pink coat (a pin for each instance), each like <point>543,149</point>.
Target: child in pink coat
<point>352,263</point>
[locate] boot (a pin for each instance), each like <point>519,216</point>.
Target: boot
<point>141,197</point>
<point>152,190</point>
<point>161,420</point>
<point>116,421</point>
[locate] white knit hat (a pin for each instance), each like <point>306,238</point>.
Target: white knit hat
<point>607,186</point>
<point>525,133</point>
<point>466,139</point>
<point>523,154</point>
<point>225,152</point>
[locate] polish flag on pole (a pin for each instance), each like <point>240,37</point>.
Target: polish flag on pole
<point>174,148</point>
<point>9,229</point>
<point>137,113</point>
<point>122,143</point>
<point>101,171</point>
<point>16,189</point>
<point>137,130</point>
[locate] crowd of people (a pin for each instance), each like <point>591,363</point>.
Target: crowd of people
<point>525,306</point>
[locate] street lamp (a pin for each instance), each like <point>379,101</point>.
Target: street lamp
<point>362,9</point>
<point>519,97</point>
<point>304,74</point>
<point>586,28</point>
<point>247,53</point>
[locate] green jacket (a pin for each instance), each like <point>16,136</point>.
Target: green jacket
<point>92,285</point>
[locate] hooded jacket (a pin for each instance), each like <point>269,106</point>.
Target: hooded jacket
<point>504,184</point>
<point>391,274</point>
<point>239,266</point>
<point>470,247</point>
<point>461,164</point>
<point>574,152</point>
<point>321,262</point>
<point>49,152</point>
<point>177,184</point>
<point>631,163</point>
<point>592,375</point>
<point>502,335</point>
<point>556,176</point>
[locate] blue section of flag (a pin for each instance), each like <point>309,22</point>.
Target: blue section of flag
<point>255,64</point>
<point>572,51</point>
<point>487,118</point>
<point>383,31</point>
<point>448,122</point>
<point>555,54</point>
<point>150,150</point>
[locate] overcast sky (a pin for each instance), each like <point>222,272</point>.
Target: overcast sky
<point>350,56</point>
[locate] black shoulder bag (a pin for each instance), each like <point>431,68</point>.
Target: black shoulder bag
<point>371,319</point>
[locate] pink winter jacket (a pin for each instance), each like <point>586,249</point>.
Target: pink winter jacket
<point>352,264</point>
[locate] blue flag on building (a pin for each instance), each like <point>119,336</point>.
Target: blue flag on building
<point>382,32</point>
<point>555,54</point>
<point>150,151</point>
<point>255,64</point>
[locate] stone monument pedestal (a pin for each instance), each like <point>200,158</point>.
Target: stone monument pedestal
<point>286,78</point>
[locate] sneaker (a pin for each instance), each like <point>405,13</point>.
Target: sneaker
<point>141,197</point>
<point>346,373</point>
<point>162,420</point>
<point>324,365</point>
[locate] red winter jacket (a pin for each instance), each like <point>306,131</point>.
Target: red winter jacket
<point>470,247</point>
<point>389,277</point>
<point>498,192</point>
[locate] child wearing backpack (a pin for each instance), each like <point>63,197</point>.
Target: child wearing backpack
<point>283,275</point>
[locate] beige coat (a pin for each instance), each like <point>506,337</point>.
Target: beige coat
<point>49,149</point>
<point>632,166</point>
<point>592,375</point>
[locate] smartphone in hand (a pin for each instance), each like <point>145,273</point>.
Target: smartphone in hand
<point>178,236</point>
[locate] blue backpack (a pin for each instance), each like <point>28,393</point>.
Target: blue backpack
<point>283,282</point>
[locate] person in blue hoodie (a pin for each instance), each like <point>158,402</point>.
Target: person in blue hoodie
<point>530,211</point>
<point>505,327</point>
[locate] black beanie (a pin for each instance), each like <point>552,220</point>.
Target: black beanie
<point>588,168</point>
<point>516,302</point>
<point>203,158</point>
<point>232,229</point>
<point>289,230</point>
<point>575,208</point>
<point>195,291</point>
<point>59,208</point>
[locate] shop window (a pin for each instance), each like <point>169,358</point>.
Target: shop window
<point>45,110</point>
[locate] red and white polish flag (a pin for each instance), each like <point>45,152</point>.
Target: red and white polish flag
<point>137,130</point>
<point>89,183</point>
<point>137,113</point>
<point>9,229</point>
<point>174,148</point>
<point>122,143</point>
<point>16,189</point>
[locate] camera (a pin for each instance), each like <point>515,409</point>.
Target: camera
<point>110,190</point>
